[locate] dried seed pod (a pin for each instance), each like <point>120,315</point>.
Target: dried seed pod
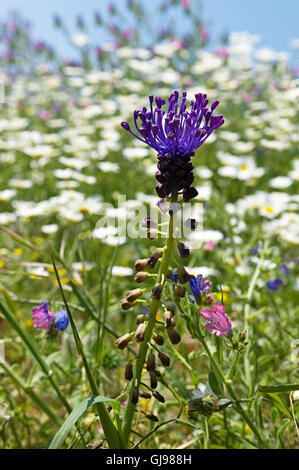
<point>173,336</point>
<point>139,334</point>
<point>171,307</point>
<point>135,396</point>
<point>141,277</point>
<point>125,305</point>
<point>158,396</point>
<point>168,319</point>
<point>140,264</point>
<point>151,362</point>
<point>129,371</point>
<point>183,275</point>
<point>153,379</point>
<point>183,250</point>
<point>140,319</point>
<point>164,359</point>
<point>154,258</point>
<point>158,339</point>
<point>123,341</point>
<point>158,373</point>
<point>151,417</point>
<point>180,291</point>
<point>157,291</point>
<point>169,273</point>
<point>144,395</point>
<point>133,295</point>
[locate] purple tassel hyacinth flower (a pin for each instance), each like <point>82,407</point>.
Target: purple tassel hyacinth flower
<point>175,134</point>
<point>218,321</point>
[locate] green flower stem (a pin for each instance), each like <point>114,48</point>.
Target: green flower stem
<point>153,308</point>
<point>111,433</point>
<point>233,366</point>
<point>206,435</point>
<point>246,321</point>
<point>232,393</point>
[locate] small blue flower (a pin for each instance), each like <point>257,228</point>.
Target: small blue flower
<point>198,285</point>
<point>61,320</point>
<point>274,284</point>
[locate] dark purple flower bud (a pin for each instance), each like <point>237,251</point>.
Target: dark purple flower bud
<point>151,362</point>
<point>180,291</point>
<point>126,126</point>
<point>183,275</point>
<point>151,417</point>
<point>158,396</point>
<point>145,395</point>
<point>158,339</point>
<point>189,193</point>
<point>135,396</point>
<point>183,250</point>
<point>129,371</point>
<point>152,261</point>
<point>153,379</point>
<point>157,291</point>
<point>164,359</point>
<point>173,336</point>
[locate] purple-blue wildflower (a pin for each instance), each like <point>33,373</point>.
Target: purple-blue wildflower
<point>284,269</point>
<point>61,320</point>
<point>274,284</point>
<point>175,134</point>
<point>198,285</point>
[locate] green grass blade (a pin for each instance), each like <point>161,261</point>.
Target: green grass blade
<point>72,419</point>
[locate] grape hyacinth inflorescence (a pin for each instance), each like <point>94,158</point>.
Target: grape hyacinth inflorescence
<point>175,134</point>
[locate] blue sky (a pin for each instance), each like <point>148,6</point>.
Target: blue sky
<point>276,21</point>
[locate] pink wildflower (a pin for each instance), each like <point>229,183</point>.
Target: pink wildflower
<point>209,245</point>
<point>42,317</point>
<point>218,323</point>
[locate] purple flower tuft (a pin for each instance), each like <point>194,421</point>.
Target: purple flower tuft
<point>175,134</point>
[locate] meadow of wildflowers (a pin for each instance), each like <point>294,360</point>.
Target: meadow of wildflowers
<point>149,234</point>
